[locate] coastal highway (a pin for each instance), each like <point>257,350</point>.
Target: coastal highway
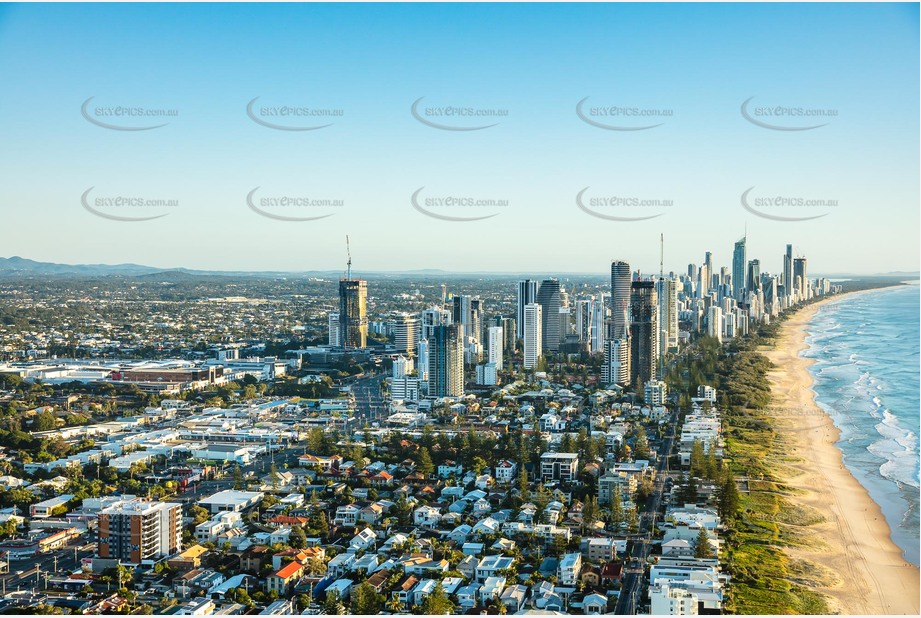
<point>369,405</point>
<point>635,566</point>
<point>23,574</point>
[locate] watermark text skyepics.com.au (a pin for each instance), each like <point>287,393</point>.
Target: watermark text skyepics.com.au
<point>622,117</point>
<point>294,117</point>
<point>451,117</point>
<point>621,207</point>
<point>786,207</point>
<point>127,207</point>
<point>786,117</point>
<point>126,117</point>
<point>292,206</point>
<point>457,206</point>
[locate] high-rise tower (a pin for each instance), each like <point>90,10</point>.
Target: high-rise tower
<point>620,297</point>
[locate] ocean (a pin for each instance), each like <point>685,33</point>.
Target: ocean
<point>867,378</point>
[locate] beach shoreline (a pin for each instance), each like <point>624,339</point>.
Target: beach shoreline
<point>870,576</point>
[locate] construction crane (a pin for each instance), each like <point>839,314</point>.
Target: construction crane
<point>661,256</point>
<point>348,251</point>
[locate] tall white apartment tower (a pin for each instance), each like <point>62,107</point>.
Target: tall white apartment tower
<point>533,344</point>
<point>405,327</point>
<point>599,313</point>
<point>334,339</point>
<point>495,339</point>
<point>715,322</point>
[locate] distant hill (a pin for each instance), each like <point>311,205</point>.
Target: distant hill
<point>18,264</point>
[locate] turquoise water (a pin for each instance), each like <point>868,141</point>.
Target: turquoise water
<point>866,348</point>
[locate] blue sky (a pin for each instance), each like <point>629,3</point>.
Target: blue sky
<point>697,61</point>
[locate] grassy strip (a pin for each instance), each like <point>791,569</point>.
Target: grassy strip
<point>764,579</point>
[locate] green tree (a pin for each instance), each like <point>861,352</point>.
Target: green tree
<point>566,444</point>
<point>274,478</point>
<point>589,513</point>
<point>237,477</point>
<point>297,539</point>
<point>318,523</point>
<point>688,492</point>
<point>616,514</point>
<point>478,464</point>
<point>366,600</point>
<point>315,441</point>
<point>333,605</point>
<point>199,515</point>
<point>437,603</point>
<point>524,488</point>
<point>641,444</point>
<point>424,464</point>
<point>697,463</point>
<point>395,605</point>
<point>542,499</point>
<point>702,547</point>
<point>728,497</point>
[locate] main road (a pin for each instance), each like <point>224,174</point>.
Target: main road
<point>635,567</point>
<point>369,405</point>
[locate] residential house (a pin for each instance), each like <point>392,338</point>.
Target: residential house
<point>367,563</point>
<point>252,559</point>
<point>450,468</point>
<point>372,513</point>
<point>421,565</point>
<point>595,604</point>
<point>460,534</point>
<point>281,580</point>
<point>486,526</point>
<point>506,471</point>
<point>599,550</point>
<point>472,549</point>
<point>467,567</point>
<point>484,482</point>
<point>481,508</point>
<point>365,539</point>
<point>422,590</point>
<point>403,590</point>
<point>468,596</point>
<point>492,589</point>
<point>489,566</point>
<point>342,587</point>
<point>426,516</point>
<point>569,568</point>
<point>513,597</point>
<point>347,515</point>
<point>545,598</point>
<point>340,564</point>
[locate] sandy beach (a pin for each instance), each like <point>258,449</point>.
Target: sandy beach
<point>868,573</point>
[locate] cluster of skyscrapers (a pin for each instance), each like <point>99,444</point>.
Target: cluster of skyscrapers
<point>634,326</point>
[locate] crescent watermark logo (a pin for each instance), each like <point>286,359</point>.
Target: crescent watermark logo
<point>424,114</point>
<point>755,115</point>
<point>260,114</point>
<point>784,204</point>
<point>289,203</point>
<point>589,115</point>
<point>451,203</point>
<point>612,202</point>
<point>102,206</point>
<point>94,115</point>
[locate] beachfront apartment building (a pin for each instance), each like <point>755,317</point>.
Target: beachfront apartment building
<point>561,467</point>
<point>140,531</point>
